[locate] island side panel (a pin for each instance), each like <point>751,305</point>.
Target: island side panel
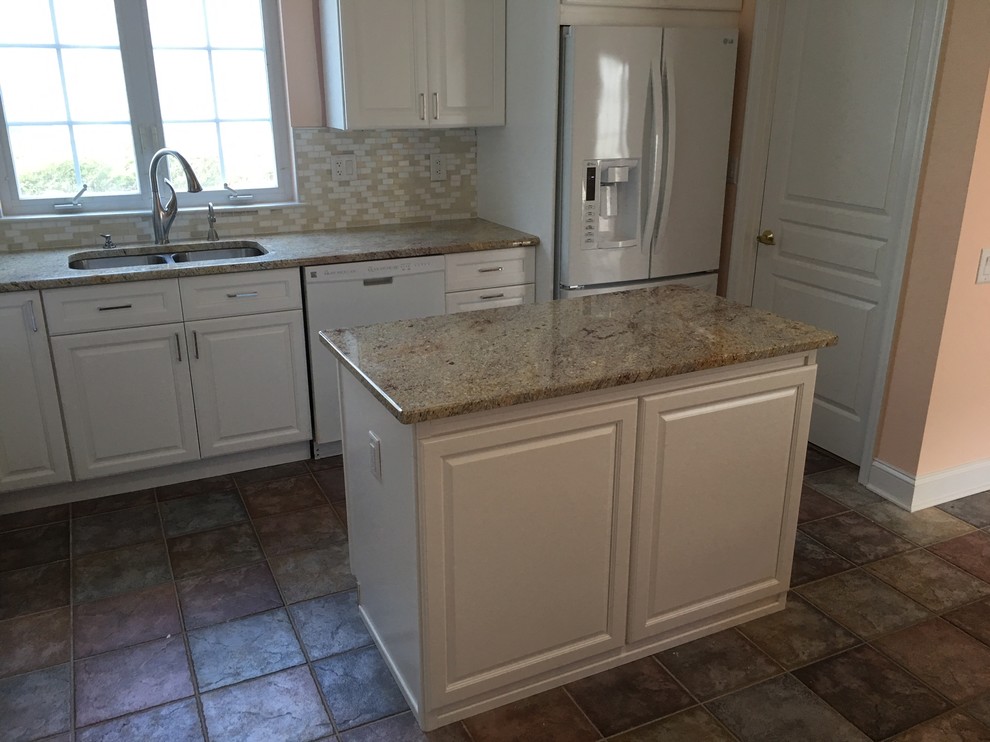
<point>382,531</point>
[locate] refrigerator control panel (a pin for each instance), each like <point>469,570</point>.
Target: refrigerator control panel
<point>589,214</point>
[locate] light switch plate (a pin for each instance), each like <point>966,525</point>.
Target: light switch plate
<point>983,274</point>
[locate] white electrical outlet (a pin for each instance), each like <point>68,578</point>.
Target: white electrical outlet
<point>343,167</point>
<point>983,274</point>
<point>375,449</point>
<point>438,167</point>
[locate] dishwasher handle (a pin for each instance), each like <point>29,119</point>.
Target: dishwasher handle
<point>381,281</point>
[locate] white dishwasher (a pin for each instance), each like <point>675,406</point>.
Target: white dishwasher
<point>351,294</point>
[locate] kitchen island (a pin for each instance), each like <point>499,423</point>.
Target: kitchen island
<point>539,493</point>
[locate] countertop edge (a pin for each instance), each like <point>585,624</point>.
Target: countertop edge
<point>439,412</point>
<point>343,246</point>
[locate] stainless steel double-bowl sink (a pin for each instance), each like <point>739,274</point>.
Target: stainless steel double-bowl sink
<point>218,252</point>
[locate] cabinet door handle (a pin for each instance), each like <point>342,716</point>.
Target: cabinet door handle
<point>436,106</point>
<point>490,270</point>
<point>245,295</point>
<point>196,344</point>
<point>422,106</point>
<point>493,296</point>
<point>117,306</point>
<point>383,281</point>
<point>178,347</point>
<point>32,319</point>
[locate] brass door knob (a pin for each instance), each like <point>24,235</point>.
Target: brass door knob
<point>766,237</point>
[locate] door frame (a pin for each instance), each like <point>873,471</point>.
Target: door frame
<point>767,39</point>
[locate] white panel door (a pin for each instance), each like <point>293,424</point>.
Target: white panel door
<point>127,399</point>
<point>716,506</point>
<point>250,381</point>
<point>509,592</point>
<point>384,75</point>
<point>32,441</point>
<point>466,62</point>
<point>836,188</point>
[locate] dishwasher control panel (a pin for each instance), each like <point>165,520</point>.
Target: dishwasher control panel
<point>374,269</point>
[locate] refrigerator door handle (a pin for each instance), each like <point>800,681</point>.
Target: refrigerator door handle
<point>659,113</point>
<point>670,137</point>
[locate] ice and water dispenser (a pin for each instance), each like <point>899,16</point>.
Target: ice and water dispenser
<point>611,193</point>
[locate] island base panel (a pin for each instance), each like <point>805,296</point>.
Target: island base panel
<point>439,494</point>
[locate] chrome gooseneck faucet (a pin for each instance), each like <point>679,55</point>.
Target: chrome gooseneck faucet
<point>162,215</point>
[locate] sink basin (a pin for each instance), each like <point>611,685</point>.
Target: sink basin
<point>227,250</point>
<point>116,261</point>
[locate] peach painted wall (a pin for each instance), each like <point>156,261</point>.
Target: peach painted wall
<point>930,378</point>
<point>958,429</point>
<point>303,65</point>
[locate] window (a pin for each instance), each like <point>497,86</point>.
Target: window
<point>90,90</point>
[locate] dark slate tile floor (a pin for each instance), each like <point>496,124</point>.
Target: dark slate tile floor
<point>224,609</point>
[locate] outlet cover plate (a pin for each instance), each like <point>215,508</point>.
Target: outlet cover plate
<point>438,167</point>
<point>983,274</point>
<point>343,167</point>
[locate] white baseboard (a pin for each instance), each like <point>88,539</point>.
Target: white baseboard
<point>57,494</point>
<point>917,493</point>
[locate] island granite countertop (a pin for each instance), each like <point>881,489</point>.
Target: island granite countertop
<point>42,269</point>
<point>449,365</point>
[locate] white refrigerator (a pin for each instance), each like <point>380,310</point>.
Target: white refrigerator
<point>642,156</point>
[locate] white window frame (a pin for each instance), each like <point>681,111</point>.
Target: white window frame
<point>137,57</point>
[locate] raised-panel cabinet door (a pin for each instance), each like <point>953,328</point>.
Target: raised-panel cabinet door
<point>32,441</point>
<point>525,529</point>
<point>250,382</point>
<point>466,62</point>
<point>380,70</point>
<point>716,505</point>
<point>127,399</point>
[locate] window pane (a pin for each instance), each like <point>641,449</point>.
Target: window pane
<point>90,23</point>
<point>242,85</point>
<point>25,22</point>
<point>235,23</point>
<point>31,85</point>
<point>106,158</point>
<point>198,144</point>
<point>177,23</point>
<point>248,154</point>
<point>185,85</point>
<point>94,79</point>
<point>43,161</point>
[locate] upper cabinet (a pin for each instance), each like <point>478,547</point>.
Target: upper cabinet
<point>401,64</point>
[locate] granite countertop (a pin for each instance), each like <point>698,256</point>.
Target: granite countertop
<point>42,269</point>
<point>450,365</point>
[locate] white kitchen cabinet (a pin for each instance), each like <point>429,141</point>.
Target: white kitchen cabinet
<point>127,399</point>
<point>489,279</point>
<point>32,440</point>
<point>249,381</point>
<point>142,389</point>
<point>717,503</point>
<point>408,64</point>
<point>525,537</point>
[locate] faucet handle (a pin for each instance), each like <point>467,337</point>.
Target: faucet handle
<point>108,242</point>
